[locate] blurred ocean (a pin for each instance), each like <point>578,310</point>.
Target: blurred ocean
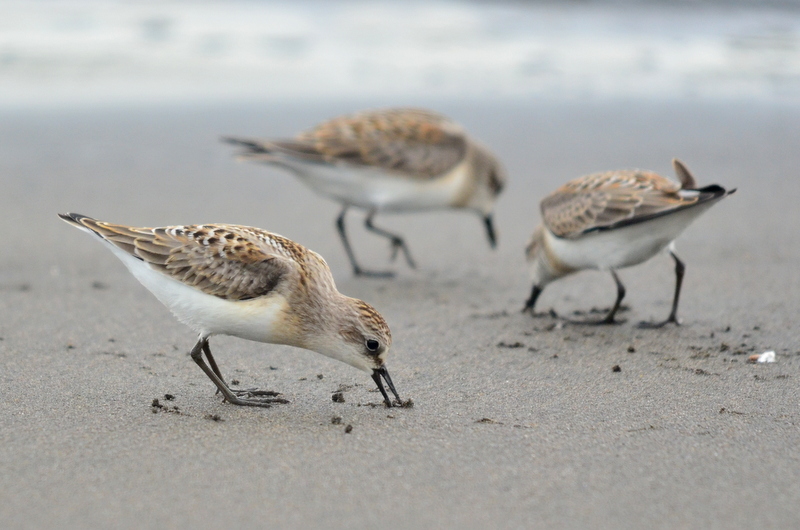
<point>86,52</point>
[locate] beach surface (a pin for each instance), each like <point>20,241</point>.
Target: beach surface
<point>518,422</point>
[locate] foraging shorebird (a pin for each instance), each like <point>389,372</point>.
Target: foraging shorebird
<point>236,280</point>
<point>612,220</point>
<point>388,160</point>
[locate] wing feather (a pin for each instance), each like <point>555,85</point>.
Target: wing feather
<point>602,200</point>
<point>413,142</point>
<point>227,261</point>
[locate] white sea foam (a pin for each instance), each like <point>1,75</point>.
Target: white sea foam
<point>84,51</point>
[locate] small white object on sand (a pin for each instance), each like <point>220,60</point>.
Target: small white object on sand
<point>766,357</point>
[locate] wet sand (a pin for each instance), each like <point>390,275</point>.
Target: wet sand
<point>518,422</point>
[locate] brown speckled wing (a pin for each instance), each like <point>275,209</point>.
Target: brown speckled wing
<point>418,143</point>
<point>231,262</point>
<point>602,200</point>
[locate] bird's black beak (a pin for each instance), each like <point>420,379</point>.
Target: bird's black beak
<point>487,222</point>
<point>377,373</point>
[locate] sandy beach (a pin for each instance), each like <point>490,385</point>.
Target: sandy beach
<point>518,422</point>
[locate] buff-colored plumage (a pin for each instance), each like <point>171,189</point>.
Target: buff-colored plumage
<point>250,283</point>
<point>230,262</point>
<point>612,220</point>
<point>417,144</point>
<point>388,160</point>
<point>604,200</point>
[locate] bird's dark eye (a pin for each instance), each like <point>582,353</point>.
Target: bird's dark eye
<point>373,345</point>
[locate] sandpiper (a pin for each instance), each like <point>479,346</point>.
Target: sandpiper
<point>612,220</point>
<point>388,160</point>
<point>236,280</point>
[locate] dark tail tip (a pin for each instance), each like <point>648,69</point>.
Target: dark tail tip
<point>74,218</point>
<point>252,145</point>
<point>716,190</point>
<point>78,220</point>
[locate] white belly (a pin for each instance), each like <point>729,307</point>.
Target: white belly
<point>622,247</point>
<point>372,188</point>
<point>259,320</point>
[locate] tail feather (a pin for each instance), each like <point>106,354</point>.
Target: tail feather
<point>280,152</point>
<point>120,236</point>
<point>253,146</point>
<point>684,175</point>
<point>79,221</point>
<point>253,150</point>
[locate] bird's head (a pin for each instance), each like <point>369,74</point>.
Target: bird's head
<point>490,179</point>
<point>363,340</point>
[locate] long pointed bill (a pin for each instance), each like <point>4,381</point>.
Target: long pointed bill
<point>376,376</point>
<point>487,222</point>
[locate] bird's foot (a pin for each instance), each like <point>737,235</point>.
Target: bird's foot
<point>399,244</point>
<point>602,322</point>
<point>550,313</point>
<point>372,274</point>
<point>256,398</point>
<point>608,320</point>
<point>657,325</point>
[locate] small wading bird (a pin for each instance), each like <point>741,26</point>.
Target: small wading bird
<point>388,160</point>
<point>611,220</point>
<point>235,280</point>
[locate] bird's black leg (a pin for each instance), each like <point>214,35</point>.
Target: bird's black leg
<point>397,241</point>
<point>531,303</point>
<point>346,243</point>
<point>213,363</point>
<point>230,396</point>
<point>609,318</point>
<point>358,271</point>
<point>680,268</point>
<point>250,392</point>
<point>620,295</point>
<point>490,232</point>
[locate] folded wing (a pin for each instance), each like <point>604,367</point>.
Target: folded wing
<point>231,262</point>
<point>605,200</point>
<point>416,143</point>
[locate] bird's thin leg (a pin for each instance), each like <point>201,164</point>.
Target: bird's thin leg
<point>357,270</point>
<point>680,268</point>
<point>250,392</point>
<point>397,241</point>
<point>345,242</point>
<point>609,318</point>
<point>213,363</point>
<point>197,357</point>
<point>531,303</point>
<point>620,295</point>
